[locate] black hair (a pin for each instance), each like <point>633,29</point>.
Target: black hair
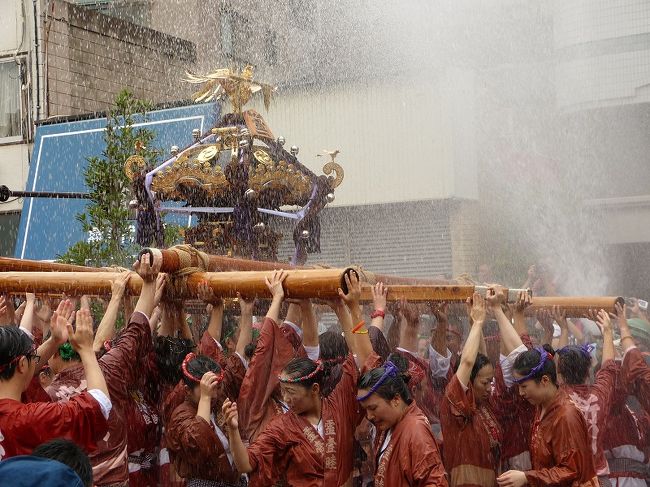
<point>13,343</point>
<point>573,364</point>
<point>480,362</point>
<point>303,367</point>
<point>402,364</point>
<point>198,366</point>
<point>530,359</point>
<point>332,346</point>
<point>228,328</point>
<point>68,453</point>
<point>379,342</point>
<point>249,350</point>
<point>391,387</point>
<point>170,352</point>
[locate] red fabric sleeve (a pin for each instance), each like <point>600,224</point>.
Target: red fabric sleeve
<point>80,420</point>
<point>604,387</point>
<point>461,401</point>
<point>119,364</point>
<point>266,454</point>
<point>193,436</point>
<point>208,347</point>
<point>272,353</point>
<point>636,376</point>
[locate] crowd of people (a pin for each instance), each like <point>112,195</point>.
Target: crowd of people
<point>474,394</point>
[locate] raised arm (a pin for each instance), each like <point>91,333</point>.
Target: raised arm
<point>58,332</point>
<point>559,315</point>
<point>146,301</point>
<point>82,341</point>
<point>309,324</point>
<point>356,338</point>
<point>408,339</point>
<point>379,294</point>
<point>106,328</point>
<point>237,447</point>
<point>27,320</point>
<point>473,342</point>
<point>275,284</point>
<point>245,324</point>
<point>439,335</point>
<point>206,294</point>
<point>509,336</point>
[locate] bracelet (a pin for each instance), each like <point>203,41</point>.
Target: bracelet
<point>627,336</point>
<point>378,313</point>
<point>358,327</point>
<point>364,332</point>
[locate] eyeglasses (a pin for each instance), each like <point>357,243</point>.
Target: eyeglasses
<point>29,355</point>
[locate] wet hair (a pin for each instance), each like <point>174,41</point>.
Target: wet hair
<point>392,384</point>
<point>68,453</point>
<point>170,352</point>
<point>304,371</point>
<point>574,363</point>
<point>229,328</point>
<point>196,367</point>
<point>526,362</point>
<point>402,364</point>
<point>480,362</point>
<point>14,343</point>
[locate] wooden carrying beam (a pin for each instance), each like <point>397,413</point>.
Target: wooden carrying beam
<point>300,283</point>
<point>575,306</point>
<point>7,264</point>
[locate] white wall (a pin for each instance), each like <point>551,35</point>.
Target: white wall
<point>10,26</point>
<point>13,171</point>
<point>603,52</point>
<point>398,142</point>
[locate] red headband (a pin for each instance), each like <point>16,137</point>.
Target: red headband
<point>311,375</point>
<point>191,356</point>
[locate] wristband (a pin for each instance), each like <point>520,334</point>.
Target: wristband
<point>364,332</point>
<point>358,327</point>
<point>378,313</point>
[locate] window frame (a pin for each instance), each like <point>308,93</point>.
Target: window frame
<point>12,139</point>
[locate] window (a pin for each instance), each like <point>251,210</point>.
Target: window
<point>10,123</point>
<point>234,35</point>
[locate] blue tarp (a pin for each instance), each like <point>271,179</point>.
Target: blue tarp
<point>48,227</point>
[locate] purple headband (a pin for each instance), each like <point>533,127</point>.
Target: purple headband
<point>390,370</point>
<point>586,350</point>
<point>543,357</point>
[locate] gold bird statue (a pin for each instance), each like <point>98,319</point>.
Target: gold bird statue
<point>226,82</point>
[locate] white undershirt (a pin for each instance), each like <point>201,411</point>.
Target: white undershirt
<point>385,444</point>
<point>222,438</point>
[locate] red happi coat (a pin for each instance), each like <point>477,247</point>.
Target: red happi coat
<point>256,404</point>
<point>23,427</point>
<point>292,445</point>
<point>411,458</point>
<point>636,376</point>
<point>560,447</point>
<point>209,347</point>
<point>118,366</point>
<point>422,386</point>
<point>144,422</point>
<point>194,444</point>
<point>515,415</point>
<point>594,402</point>
<point>472,438</point>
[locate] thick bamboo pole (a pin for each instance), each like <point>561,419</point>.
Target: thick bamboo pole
<point>300,283</point>
<point>172,262</point>
<point>7,264</point>
<point>575,306</point>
